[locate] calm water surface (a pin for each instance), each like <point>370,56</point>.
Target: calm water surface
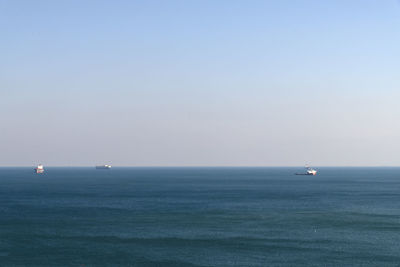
<point>199,217</point>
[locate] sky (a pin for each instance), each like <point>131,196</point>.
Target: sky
<point>200,83</point>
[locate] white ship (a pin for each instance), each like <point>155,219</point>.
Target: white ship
<point>103,167</point>
<point>309,171</point>
<point>39,169</point>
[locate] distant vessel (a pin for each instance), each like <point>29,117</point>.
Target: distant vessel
<point>103,167</point>
<point>39,169</point>
<point>309,171</point>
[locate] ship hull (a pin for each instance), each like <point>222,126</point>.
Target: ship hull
<point>103,167</point>
<point>309,171</point>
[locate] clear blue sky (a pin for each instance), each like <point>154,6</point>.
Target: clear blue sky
<point>233,83</point>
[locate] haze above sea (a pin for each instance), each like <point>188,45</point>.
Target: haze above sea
<point>199,217</point>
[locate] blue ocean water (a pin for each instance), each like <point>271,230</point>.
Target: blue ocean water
<point>199,217</point>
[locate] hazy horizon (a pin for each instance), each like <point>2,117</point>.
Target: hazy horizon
<point>204,166</point>
<point>207,83</point>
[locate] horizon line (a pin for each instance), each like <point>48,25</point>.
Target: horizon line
<point>206,166</point>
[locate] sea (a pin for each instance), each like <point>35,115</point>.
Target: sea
<point>208,216</point>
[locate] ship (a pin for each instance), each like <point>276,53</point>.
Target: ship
<point>309,171</point>
<point>39,169</point>
<point>103,167</point>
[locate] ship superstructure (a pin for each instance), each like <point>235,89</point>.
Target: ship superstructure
<point>311,171</point>
<point>39,169</point>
